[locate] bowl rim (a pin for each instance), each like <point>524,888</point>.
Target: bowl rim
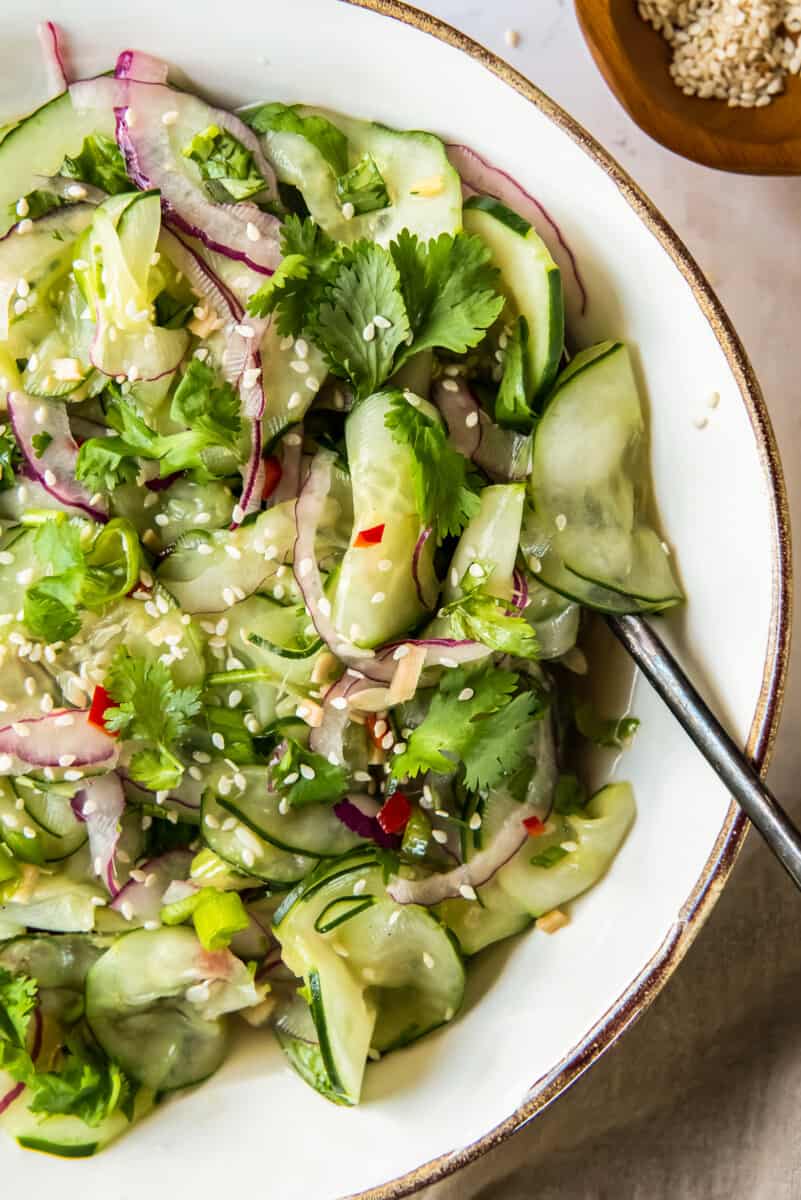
<point>762,734</point>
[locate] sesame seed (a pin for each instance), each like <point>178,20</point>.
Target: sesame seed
<point>450,385</point>
<point>399,748</point>
<point>386,741</point>
<point>304,566</point>
<point>283,806</point>
<point>439,835</point>
<point>72,776</point>
<point>25,226</point>
<point>306,771</point>
<point>700,422</point>
<point>428,961</point>
<point>294,400</point>
<point>6,558</point>
<point>368,333</point>
<point>475,821</point>
<point>161,519</point>
<point>312,383</point>
<point>348,211</point>
<point>380,728</point>
<point>714,399</point>
<point>22,207</point>
<point>377,598</point>
<point>340,703</point>
<point>569,847</point>
<point>25,577</point>
<point>400,652</point>
<point>381,322</point>
<point>250,377</point>
<point>233,552</point>
<point>252,232</point>
<point>245,331</point>
<point>560,521</point>
<point>20,308</point>
<point>471,420</point>
<point>467,892</point>
<point>204,548</point>
<point>293,439</point>
<point>169,117</point>
<point>218,740</point>
<point>235,698</point>
<point>448,662</point>
<point>299,366</point>
<point>476,570</point>
<point>228,596</point>
<point>23,288</point>
<point>49,478</point>
<point>466,694</point>
<point>359,886</point>
<point>301,348</point>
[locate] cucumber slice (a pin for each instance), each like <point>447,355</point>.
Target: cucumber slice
<point>186,505</point>
<point>145,1007</point>
<point>312,830</point>
<point>477,925</point>
<point>66,1136</point>
<point>24,832</point>
<point>202,576</point>
<point>589,483</point>
<point>39,144</point>
<point>424,190</point>
<point>378,974</point>
<point>383,494</point>
<point>532,282</point>
<point>58,904</point>
<point>297,1036</point>
<point>554,619</point>
<point>245,850</point>
<point>491,537</point>
<point>597,833</point>
<point>54,960</point>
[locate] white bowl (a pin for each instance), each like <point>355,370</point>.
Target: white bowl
<point>542,1009</point>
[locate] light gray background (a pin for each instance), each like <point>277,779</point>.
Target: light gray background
<point>702,1099</point>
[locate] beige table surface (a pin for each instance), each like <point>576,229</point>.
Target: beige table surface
<point>702,1099</point>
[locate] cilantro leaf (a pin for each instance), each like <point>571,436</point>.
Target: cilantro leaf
<point>612,732</point>
<point>500,742</point>
<point>226,166</point>
<point>207,406</point>
<point>296,290</point>
<point>40,442</point>
<point>104,463</point>
<point>366,285</point>
<point>485,618</point>
<point>450,726</point>
<point>323,135</point>
<point>448,287</point>
<point>308,778</point>
<point>17,1002</point>
<point>511,404</point>
<point>99,163</point>
<point>443,483</point>
<point>363,186</point>
<point>151,709</point>
<point>50,608</point>
<point>301,235</point>
<point>58,545</point>
<point>172,313</point>
<point>10,457</point>
<point>294,268</point>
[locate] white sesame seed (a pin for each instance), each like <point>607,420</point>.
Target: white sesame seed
<point>448,662</point>
<point>233,552</point>
<point>252,232</point>
<point>386,741</point>
<point>381,322</point>
<point>476,570</point>
<point>25,226</point>
<point>161,519</point>
<point>475,821</point>
<point>304,566</point>
<point>348,211</point>
<point>428,961</point>
<point>22,207</point>
<point>377,598</point>
<point>25,577</point>
<point>306,771</point>
<point>368,333</point>
<point>471,420</point>
<point>228,596</point>
<point>450,385</point>
<point>466,694</point>
<point>439,835</point>
<point>218,740</point>
<point>340,703</point>
<point>72,776</point>
<point>49,478</point>
<point>204,549</point>
<point>169,117</point>
<point>234,698</point>
<point>400,652</point>
<point>700,422</point>
<point>467,892</point>
<point>359,886</point>
<point>294,400</point>
<point>569,847</point>
<point>714,399</point>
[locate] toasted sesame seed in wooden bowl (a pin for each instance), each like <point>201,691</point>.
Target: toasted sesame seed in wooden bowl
<point>697,93</point>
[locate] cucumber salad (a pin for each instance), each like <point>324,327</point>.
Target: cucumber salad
<point>303,491</point>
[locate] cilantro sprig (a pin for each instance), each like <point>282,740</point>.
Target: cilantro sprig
<point>441,294</point>
<point>85,1084</point>
<point>488,730</point>
<point>479,615</point>
<point>150,709</point>
<point>445,487</point>
<point>226,166</point>
<point>208,407</point>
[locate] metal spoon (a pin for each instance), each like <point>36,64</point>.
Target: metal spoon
<point>668,679</point>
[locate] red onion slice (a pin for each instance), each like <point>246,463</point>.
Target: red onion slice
<point>355,814</point>
<point>100,805</point>
<point>49,39</point>
<point>480,176</point>
<point>520,590</point>
<point>239,231</point>
<point>425,534</point>
<point>204,282</point>
<point>291,455</point>
<point>144,68</point>
<point>141,901</point>
<point>47,741</point>
<point>503,454</point>
<point>54,468</point>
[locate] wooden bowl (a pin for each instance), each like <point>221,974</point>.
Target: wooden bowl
<point>634,59</point>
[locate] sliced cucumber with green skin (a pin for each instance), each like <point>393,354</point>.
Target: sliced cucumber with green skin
<point>312,830</point>
<point>297,1036</point>
<point>589,483</point>
<point>597,833</point>
<point>266,635</point>
<point>39,145</point>
<point>424,190</point>
<point>246,851</point>
<point>54,960</point>
<point>495,917</point>
<point>531,279</point>
<point>379,974</point>
<point>24,834</point>
<point>143,628</point>
<point>554,619</point>
<point>67,1136</point>
<point>376,597</point>
<point>57,904</point>
<point>202,576</point>
<point>145,1007</point>
<point>491,537</point>
<point>185,504</point>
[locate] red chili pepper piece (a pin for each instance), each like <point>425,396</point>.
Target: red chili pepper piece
<point>534,826</point>
<point>101,701</point>
<point>395,813</point>
<point>370,537</point>
<point>272,475</point>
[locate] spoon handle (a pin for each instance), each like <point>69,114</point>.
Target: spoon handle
<point>723,755</point>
